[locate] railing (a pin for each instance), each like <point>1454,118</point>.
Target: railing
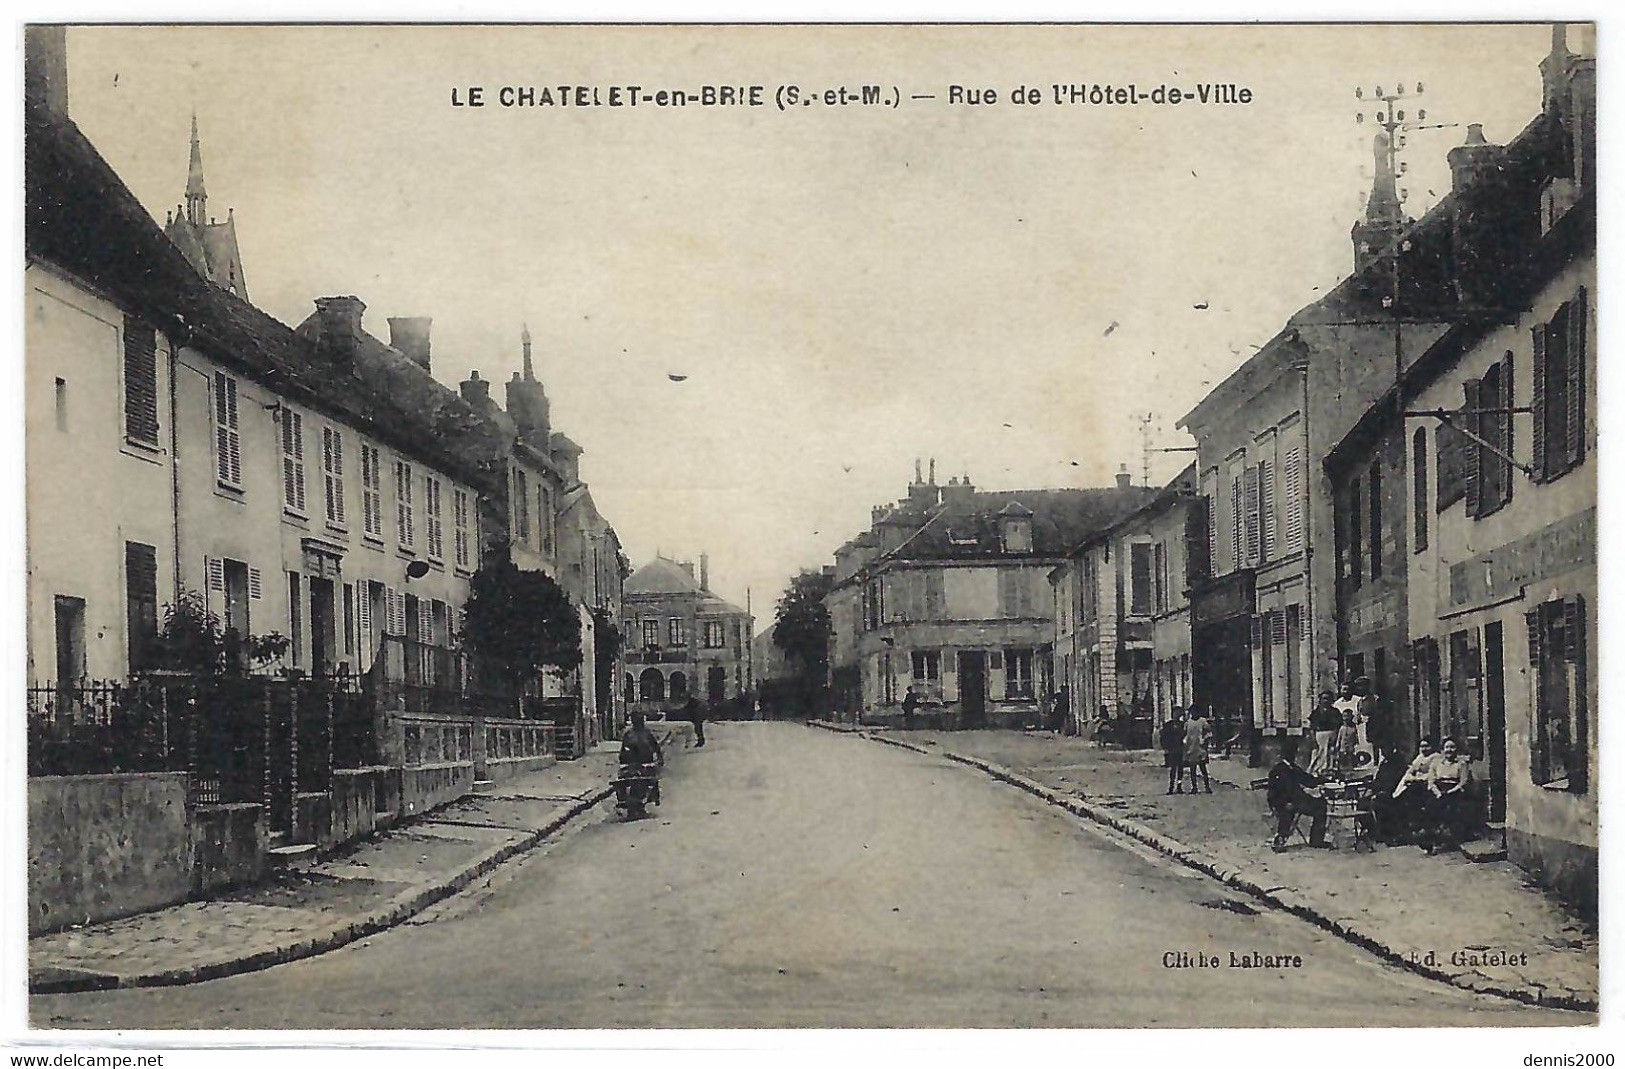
<point>238,738</point>
<point>422,678</point>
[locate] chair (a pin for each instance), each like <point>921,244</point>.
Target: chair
<point>1353,806</point>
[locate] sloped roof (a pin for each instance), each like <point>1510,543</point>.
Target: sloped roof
<point>82,218</point>
<point>661,576</point>
<point>1060,520</point>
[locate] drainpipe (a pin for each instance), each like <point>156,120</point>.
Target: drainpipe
<point>174,454</point>
<point>1309,472</point>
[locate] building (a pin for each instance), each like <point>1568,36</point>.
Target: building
<point>1122,614</point>
<point>208,244</point>
<point>682,640</point>
<point>948,594</point>
<point>180,440</point>
<point>1491,531</point>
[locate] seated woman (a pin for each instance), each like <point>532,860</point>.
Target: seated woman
<point>1450,808</point>
<point>1401,795</point>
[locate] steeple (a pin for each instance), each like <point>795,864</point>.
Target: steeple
<point>1374,234</point>
<point>524,341</point>
<point>196,197</point>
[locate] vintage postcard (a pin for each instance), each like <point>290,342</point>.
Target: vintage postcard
<point>930,526</point>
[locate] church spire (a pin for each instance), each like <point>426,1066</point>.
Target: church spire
<point>524,341</point>
<point>196,198</point>
<point>1382,207</point>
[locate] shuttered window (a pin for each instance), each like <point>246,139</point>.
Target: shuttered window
<point>1268,547</point>
<point>1292,488</point>
<point>333,474</point>
<point>1419,488</point>
<point>372,498</point>
<point>1253,528</point>
<point>141,603</point>
<point>461,535</point>
<point>1140,570</point>
<point>1236,559</point>
<point>1453,450</point>
<point>1559,393</point>
<point>521,508</point>
<point>405,516</point>
<point>293,460</point>
<point>433,529</point>
<point>140,382</point>
<point>228,445</point>
<point>1559,717</point>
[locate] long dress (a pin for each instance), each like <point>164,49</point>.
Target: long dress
<point>1196,738</point>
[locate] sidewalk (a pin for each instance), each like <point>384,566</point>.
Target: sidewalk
<point>325,904</point>
<point>1396,901</point>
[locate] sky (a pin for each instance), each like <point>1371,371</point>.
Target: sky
<point>1010,289</point>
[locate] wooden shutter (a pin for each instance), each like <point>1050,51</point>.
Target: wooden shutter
<point>363,616</point>
<point>1236,560</point>
<point>1250,495</point>
<point>227,440</point>
<point>1574,638</point>
<point>1472,470</point>
<point>1538,760</point>
<point>140,381</point>
<point>1266,507</point>
<point>1538,341</point>
<point>1574,448</point>
<point>254,584</point>
<point>425,622</point>
<point>1197,545</point>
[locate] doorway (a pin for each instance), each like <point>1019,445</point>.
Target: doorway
<point>973,687</point>
<point>323,629</point>
<point>1495,727</point>
<point>70,641</point>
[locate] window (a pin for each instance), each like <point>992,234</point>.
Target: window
<point>651,633</point>
<point>1016,532</point>
<point>1374,521</point>
<point>1139,571</point>
<point>544,518</point>
<point>1560,385</point>
<point>461,536</point>
<point>141,602</point>
<point>405,519</point>
<point>715,636</point>
<point>676,632</point>
<point>70,640</point>
<point>1018,673</point>
<point>1235,521</point>
<point>521,508</point>
<point>1266,511</point>
<point>1015,593</point>
<point>140,382</point>
<point>1489,472</point>
<point>228,443</point>
<point>1159,577</point>
<point>1292,487</point>
<point>927,666</point>
<point>933,596</point>
<point>296,621</point>
<point>873,604</point>
<point>293,460</point>
<point>1199,541</point>
<point>433,530</point>
<point>372,500</point>
<point>1557,666</point>
<point>1419,487</point>
<point>1353,532</point>
<point>1253,529</point>
<point>333,474</point>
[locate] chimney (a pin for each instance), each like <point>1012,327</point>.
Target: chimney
<point>45,71</point>
<point>921,493</point>
<point>409,335</point>
<point>340,321</point>
<point>1483,232</point>
<point>958,491</point>
<point>1124,479</point>
<point>705,571</point>
<point>476,391</point>
<point>527,401</point>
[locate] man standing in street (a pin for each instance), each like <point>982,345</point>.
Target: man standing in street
<point>1325,720</point>
<point>1172,740</point>
<point>910,701</point>
<point>694,713</point>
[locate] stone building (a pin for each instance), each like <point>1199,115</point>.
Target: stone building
<point>682,640</point>
<point>948,594</point>
<point>1122,615</point>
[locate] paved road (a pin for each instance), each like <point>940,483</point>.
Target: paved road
<point>798,878</point>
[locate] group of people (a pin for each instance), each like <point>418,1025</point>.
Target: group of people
<point>1342,726</point>
<point>1431,802</point>
<point>1185,740</point>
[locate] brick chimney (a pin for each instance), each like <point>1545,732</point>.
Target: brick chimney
<point>340,323</point>
<point>45,71</point>
<point>476,391</point>
<point>1483,231</point>
<point>958,491</point>
<point>1124,479</point>
<point>705,571</point>
<point>409,335</point>
<point>920,492</point>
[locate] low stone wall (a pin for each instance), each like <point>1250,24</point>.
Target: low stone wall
<point>505,768</point>
<point>1567,868</point>
<point>229,844</point>
<point>430,786</point>
<point>361,802</point>
<point>101,847</point>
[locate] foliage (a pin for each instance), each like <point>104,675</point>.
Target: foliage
<point>192,639</point>
<point>520,622</point>
<point>801,625</point>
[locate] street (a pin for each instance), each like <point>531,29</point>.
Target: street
<point>796,878</point>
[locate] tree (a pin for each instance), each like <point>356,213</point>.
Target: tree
<point>193,640</point>
<point>520,622</point>
<point>607,640</point>
<point>801,629</point>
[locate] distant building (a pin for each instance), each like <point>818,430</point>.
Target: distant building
<point>948,593</point>
<point>682,640</point>
<point>209,245</point>
<point>1122,614</point>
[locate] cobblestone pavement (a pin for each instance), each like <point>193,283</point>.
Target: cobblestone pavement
<point>1397,896</point>
<point>325,904</point>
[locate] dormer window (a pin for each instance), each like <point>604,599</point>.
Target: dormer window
<point>1016,528</point>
